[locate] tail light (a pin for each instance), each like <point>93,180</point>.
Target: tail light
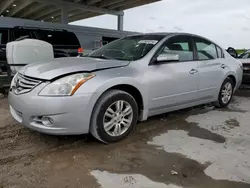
<point>80,50</point>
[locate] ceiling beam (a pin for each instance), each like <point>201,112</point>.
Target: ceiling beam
<point>87,2</point>
<point>47,11</point>
<point>34,8</point>
<point>91,2</point>
<point>114,6</point>
<point>71,13</point>
<point>83,16</point>
<point>109,2</point>
<point>55,14</point>
<point>19,8</point>
<point>5,4</point>
<point>62,3</point>
<point>136,3</point>
<point>75,15</point>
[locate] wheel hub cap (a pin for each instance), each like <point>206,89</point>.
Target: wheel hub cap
<point>118,118</point>
<point>227,93</point>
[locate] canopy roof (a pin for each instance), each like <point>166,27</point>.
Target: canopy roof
<point>52,10</point>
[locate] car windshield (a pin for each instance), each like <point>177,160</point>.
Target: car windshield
<point>245,55</point>
<point>128,49</point>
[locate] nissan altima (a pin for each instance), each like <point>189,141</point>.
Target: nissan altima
<point>108,91</point>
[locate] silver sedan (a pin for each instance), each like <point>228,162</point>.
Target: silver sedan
<point>107,92</point>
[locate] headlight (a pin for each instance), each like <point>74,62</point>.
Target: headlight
<point>66,86</point>
<point>13,82</point>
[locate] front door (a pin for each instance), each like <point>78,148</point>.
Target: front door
<point>173,84</point>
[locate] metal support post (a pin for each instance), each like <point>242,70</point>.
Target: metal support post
<point>120,22</point>
<point>64,15</point>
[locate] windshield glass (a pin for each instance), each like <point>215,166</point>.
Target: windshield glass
<point>129,48</point>
<point>245,55</point>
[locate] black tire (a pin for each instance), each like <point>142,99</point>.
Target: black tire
<point>220,103</point>
<point>103,103</point>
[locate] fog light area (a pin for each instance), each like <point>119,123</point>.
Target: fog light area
<point>43,120</point>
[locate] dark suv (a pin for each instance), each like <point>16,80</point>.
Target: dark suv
<point>64,43</point>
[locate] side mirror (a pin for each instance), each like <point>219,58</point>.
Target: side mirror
<point>167,58</point>
<point>232,52</point>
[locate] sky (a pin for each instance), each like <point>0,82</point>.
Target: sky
<point>226,22</point>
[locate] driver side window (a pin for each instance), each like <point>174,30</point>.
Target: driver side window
<point>181,46</point>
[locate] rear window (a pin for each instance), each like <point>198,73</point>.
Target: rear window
<point>59,38</point>
<point>3,36</point>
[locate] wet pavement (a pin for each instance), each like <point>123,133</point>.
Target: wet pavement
<point>200,147</point>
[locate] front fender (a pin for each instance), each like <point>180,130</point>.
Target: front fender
<point>124,81</point>
<point>98,85</point>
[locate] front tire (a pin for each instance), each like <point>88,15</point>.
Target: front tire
<point>114,116</point>
<point>226,93</point>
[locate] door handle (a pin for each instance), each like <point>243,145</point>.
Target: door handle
<point>193,71</point>
<point>223,66</point>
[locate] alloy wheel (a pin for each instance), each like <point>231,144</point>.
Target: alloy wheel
<point>118,118</point>
<point>226,93</point>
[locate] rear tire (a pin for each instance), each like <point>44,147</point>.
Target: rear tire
<point>114,116</point>
<point>226,93</point>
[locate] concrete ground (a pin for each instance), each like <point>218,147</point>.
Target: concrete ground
<point>201,147</point>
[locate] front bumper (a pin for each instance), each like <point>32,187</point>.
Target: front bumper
<point>246,78</point>
<point>71,115</point>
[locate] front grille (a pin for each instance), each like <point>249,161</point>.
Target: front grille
<point>23,84</point>
<point>246,68</point>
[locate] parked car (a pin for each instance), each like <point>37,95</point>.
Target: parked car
<point>128,80</point>
<point>64,43</point>
<point>245,60</point>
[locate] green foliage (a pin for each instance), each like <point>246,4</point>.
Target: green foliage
<point>240,51</point>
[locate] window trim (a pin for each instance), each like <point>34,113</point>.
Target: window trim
<point>196,51</point>
<point>152,60</point>
<point>222,53</point>
<point>216,47</point>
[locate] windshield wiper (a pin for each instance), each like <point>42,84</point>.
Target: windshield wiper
<point>101,57</point>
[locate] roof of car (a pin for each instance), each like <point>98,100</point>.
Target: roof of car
<point>165,34</point>
<point>168,33</point>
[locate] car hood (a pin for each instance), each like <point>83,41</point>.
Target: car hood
<point>61,66</point>
<point>244,61</point>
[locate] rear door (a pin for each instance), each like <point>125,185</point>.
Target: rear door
<point>210,66</point>
<point>4,38</point>
<point>64,43</point>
